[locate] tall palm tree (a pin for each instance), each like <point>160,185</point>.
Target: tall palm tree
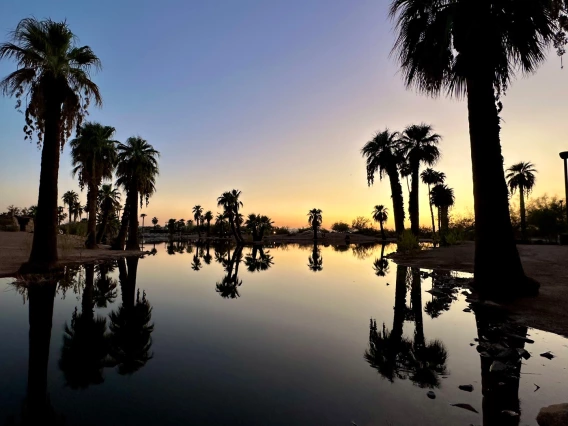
<point>315,220</point>
<point>443,198</point>
<point>94,156</point>
<point>521,177</point>
<point>109,204</point>
<point>69,199</point>
<point>208,217</point>
<point>136,172</point>
<point>197,212</point>
<point>383,156</point>
<point>381,215</point>
<point>431,177</point>
<point>231,204</point>
<point>418,143</point>
<point>53,77</point>
<point>472,49</point>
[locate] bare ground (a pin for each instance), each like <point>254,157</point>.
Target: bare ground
<point>15,248</point>
<point>545,263</point>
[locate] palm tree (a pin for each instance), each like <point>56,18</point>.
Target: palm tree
<point>443,198</point>
<point>69,199</point>
<point>230,202</point>
<point>197,212</point>
<point>109,204</point>
<point>154,221</point>
<point>143,216</point>
<point>53,77</point>
<point>315,261</point>
<point>208,217</point>
<point>418,143</point>
<point>61,215</point>
<point>136,173</point>
<point>93,154</point>
<point>472,49</point>
<point>315,220</point>
<point>220,221</point>
<point>431,177</point>
<point>77,211</point>
<point>521,177</point>
<point>381,215</point>
<point>383,156</point>
<point>228,286</point>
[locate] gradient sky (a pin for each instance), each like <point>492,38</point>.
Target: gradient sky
<point>275,98</point>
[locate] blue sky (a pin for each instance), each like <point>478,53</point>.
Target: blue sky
<point>271,97</point>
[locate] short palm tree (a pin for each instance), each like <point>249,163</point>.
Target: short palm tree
<point>94,156</point>
<point>220,220</point>
<point>315,220</point>
<point>443,198</point>
<point>197,212</point>
<point>53,77</point>
<point>383,156</point>
<point>431,177</point>
<point>70,198</point>
<point>208,217</point>
<point>381,215</point>
<point>418,143</point>
<point>109,204</point>
<point>473,49</point>
<point>521,177</point>
<point>231,204</point>
<point>154,221</point>
<point>136,172</point>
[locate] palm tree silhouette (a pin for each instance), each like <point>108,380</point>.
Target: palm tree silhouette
<point>381,265</point>
<point>383,156</point>
<point>109,204</point>
<point>136,173</point>
<point>207,257</point>
<point>154,221</point>
<point>440,50</point>
<point>431,177</point>
<point>208,217</point>
<point>228,286</point>
<point>69,199</point>
<point>418,144</point>
<point>104,292</point>
<point>197,212</point>
<point>220,221</point>
<point>521,177</point>
<point>443,198</point>
<point>93,156</point>
<point>381,214</point>
<point>130,325</point>
<point>230,202</point>
<point>143,216</point>
<point>258,260</point>
<point>196,263</point>
<point>52,76</point>
<point>315,261</point>
<point>315,220</point>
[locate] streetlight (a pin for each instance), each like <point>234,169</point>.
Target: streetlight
<point>564,156</point>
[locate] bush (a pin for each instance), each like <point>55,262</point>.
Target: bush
<point>361,223</point>
<point>75,228</point>
<point>340,227</point>
<point>407,242</point>
<point>281,230</point>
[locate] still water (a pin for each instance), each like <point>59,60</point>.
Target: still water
<point>287,335</point>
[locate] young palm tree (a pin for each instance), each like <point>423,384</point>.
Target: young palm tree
<point>431,177</point>
<point>472,49</point>
<point>109,204</point>
<point>418,143</point>
<point>70,198</point>
<point>231,204</point>
<point>208,217</point>
<point>381,215</point>
<point>136,173</point>
<point>197,212</point>
<point>53,76</point>
<point>220,221</point>
<point>315,220</point>
<point>93,154</point>
<point>77,211</point>
<point>443,198</point>
<point>143,216</point>
<point>521,177</point>
<point>384,157</point>
<point>154,221</point>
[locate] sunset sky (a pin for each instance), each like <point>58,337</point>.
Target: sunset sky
<point>275,98</point>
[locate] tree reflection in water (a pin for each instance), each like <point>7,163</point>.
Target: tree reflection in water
<point>381,265</point>
<point>228,286</point>
<point>258,260</point>
<point>395,356</point>
<point>315,261</point>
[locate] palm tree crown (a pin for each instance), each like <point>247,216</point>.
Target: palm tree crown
<point>380,213</point>
<point>521,176</point>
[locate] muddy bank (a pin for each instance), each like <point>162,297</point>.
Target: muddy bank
<point>546,264</point>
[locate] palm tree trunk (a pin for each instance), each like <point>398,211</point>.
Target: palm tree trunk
<point>523,213</point>
<point>92,224</point>
<point>382,230</point>
<point>445,219</point>
<point>431,212</point>
<point>416,297</point>
<point>208,228</point>
<point>239,234</point>
<point>44,254</point>
<point>132,243</point>
<point>315,228</point>
<point>399,304</point>
<point>121,238</point>
<point>413,208</point>
<point>497,267</point>
<point>103,225</point>
<point>397,199</point>
<point>69,221</point>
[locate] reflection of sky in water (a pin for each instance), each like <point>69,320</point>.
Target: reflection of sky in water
<point>288,351</point>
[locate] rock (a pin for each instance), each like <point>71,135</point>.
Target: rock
<point>510,413</point>
<point>431,395</point>
<point>472,344</point>
<point>547,355</point>
<point>553,415</point>
<point>509,354</point>
<point>465,407</point>
<point>523,353</point>
<point>517,337</point>
<point>498,367</point>
<point>467,388</point>
<point>467,310</point>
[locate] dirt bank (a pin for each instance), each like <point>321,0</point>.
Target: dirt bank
<point>15,249</point>
<point>546,264</point>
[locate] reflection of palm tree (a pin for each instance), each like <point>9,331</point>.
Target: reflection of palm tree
<point>84,351</point>
<point>381,265</point>
<point>196,264</point>
<point>207,258</point>
<point>130,325</point>
<point>258,260</point>
<point>228,286</point>
<point>315,261</point>
<point>105,287</point>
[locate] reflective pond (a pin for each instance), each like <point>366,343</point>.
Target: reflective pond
<point>286,335</point>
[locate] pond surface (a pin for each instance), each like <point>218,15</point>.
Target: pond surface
<point>286,335</point>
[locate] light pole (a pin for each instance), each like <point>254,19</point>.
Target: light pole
<point>564,156</point>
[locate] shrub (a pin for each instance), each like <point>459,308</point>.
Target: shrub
<point>407,242</point>
<point>340,227</point>
<point>281,230</point>
<point>361,223</point>
<point>75,228</point>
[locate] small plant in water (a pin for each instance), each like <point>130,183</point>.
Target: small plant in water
<point>407,242</point>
